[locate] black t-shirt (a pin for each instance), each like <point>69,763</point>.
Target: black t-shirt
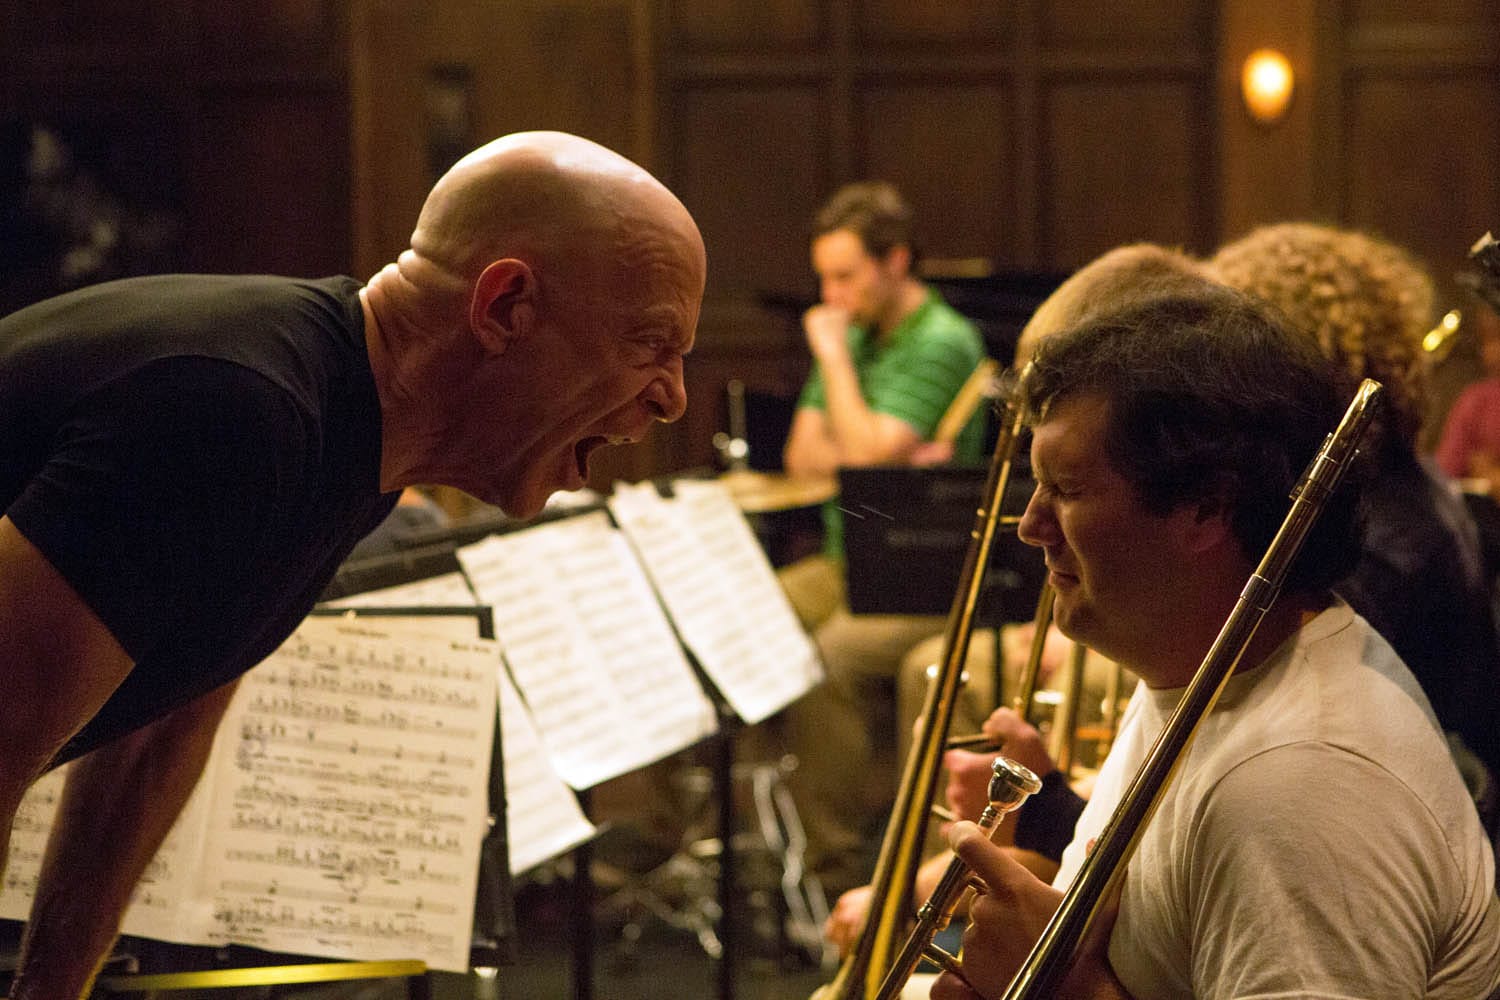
<point>1420,583</point>
<point>195,455</point>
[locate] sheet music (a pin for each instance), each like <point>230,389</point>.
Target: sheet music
<point>154,906</point>
<point>346,801</point>
<point>543,816</point>
<point>28,839</point>
<point>723,595</point>
<point>447,590</point>
<point>589,647</point>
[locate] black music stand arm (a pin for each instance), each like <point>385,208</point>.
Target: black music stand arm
<point>582,886</point>
<point>724,782</point>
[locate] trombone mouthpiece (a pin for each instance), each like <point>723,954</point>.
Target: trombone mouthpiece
<point>1011,784</point>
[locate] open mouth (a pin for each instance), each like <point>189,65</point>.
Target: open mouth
<point>583,449</point>
<point>581,452</point>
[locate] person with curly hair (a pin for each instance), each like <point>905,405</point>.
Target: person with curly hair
<point>1419,580</point>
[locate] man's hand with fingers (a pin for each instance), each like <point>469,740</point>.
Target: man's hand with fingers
<point>969,773</point>
<point>1006,920</point>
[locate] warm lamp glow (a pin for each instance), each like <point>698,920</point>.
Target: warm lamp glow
<point>1266,83</point>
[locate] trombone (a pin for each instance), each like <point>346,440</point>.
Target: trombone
<point>900,851</point>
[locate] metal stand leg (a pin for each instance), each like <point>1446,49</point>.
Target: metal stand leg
<point>724,784</point>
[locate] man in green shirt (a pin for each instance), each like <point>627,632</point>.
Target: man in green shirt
<point>889,358</point>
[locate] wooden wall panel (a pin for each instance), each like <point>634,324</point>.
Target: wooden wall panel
<point>1422,162</point>
<point>389,53</point>
<point>1123,161</point>
<point>948,148</point>
<point>1409,19</point>
<point>735,24</point>
<point>288,215</point>
<point>1118,25</point>
<point>569,69</point>
<point>532,64</point>
<point>750,166</point>
<point>215,136</point>
<point>88,29</point>
<point>955,23</point>
<point>306,32</point>
<point>1270,172</point>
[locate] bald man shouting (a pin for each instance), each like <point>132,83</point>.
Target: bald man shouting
<point>185,461</point>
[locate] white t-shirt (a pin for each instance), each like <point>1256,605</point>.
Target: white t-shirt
<point>1316,842</point>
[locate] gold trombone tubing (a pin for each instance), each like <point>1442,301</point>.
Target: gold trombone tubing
<point>1010,786</point>
<point>1102,870</point>
<point>900,851</point>
<point>1026,685</point>
<point>1064,740</point>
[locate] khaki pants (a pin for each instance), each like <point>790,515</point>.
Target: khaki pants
<point>844,732</point>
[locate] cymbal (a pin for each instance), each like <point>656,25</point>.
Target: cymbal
<point>765,492</point>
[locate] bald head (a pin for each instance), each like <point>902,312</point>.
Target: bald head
<point>543,310</point>
<point>545,197</point>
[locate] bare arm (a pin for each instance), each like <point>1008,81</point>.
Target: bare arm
<point>58,665</point>
<point>814,447</point>
<point>847,432</point>
<point>119,803</point>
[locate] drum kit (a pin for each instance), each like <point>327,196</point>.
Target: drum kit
<point>758,492</point>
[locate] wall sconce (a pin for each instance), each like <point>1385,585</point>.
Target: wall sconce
<point>1266,84</point>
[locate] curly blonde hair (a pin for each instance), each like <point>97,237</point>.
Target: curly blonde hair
<point>1366,302</point>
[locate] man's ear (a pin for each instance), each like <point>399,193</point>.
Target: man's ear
<point>503,306</point>
<point>1206,524</point>
<point>898,260</point>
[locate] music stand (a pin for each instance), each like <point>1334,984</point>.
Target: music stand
<point>494,941</point>
<point>906,531</point>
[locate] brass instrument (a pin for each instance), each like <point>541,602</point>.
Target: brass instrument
<point>1438,342</point>
<point>1041,622</point>
<point>1102,870</point>
<point>1026,684</point>
<point>1010,786</point>
<point>1485,253</point>
<point>1063,741</point>
<point>975,390</point>
<point>900,850</point>
<point>1483,279</point>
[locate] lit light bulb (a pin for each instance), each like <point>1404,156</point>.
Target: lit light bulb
<point>1266,83</point>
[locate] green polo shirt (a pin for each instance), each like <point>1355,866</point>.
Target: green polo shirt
<point>913,374</point>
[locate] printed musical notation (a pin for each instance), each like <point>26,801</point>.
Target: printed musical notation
<point>543,817</point>
<point>447,590</point>
<point>341,812</point>
<point>28,839</point>
<point>589,647</point>
<point>297,838</point>
<point>715,580</point>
